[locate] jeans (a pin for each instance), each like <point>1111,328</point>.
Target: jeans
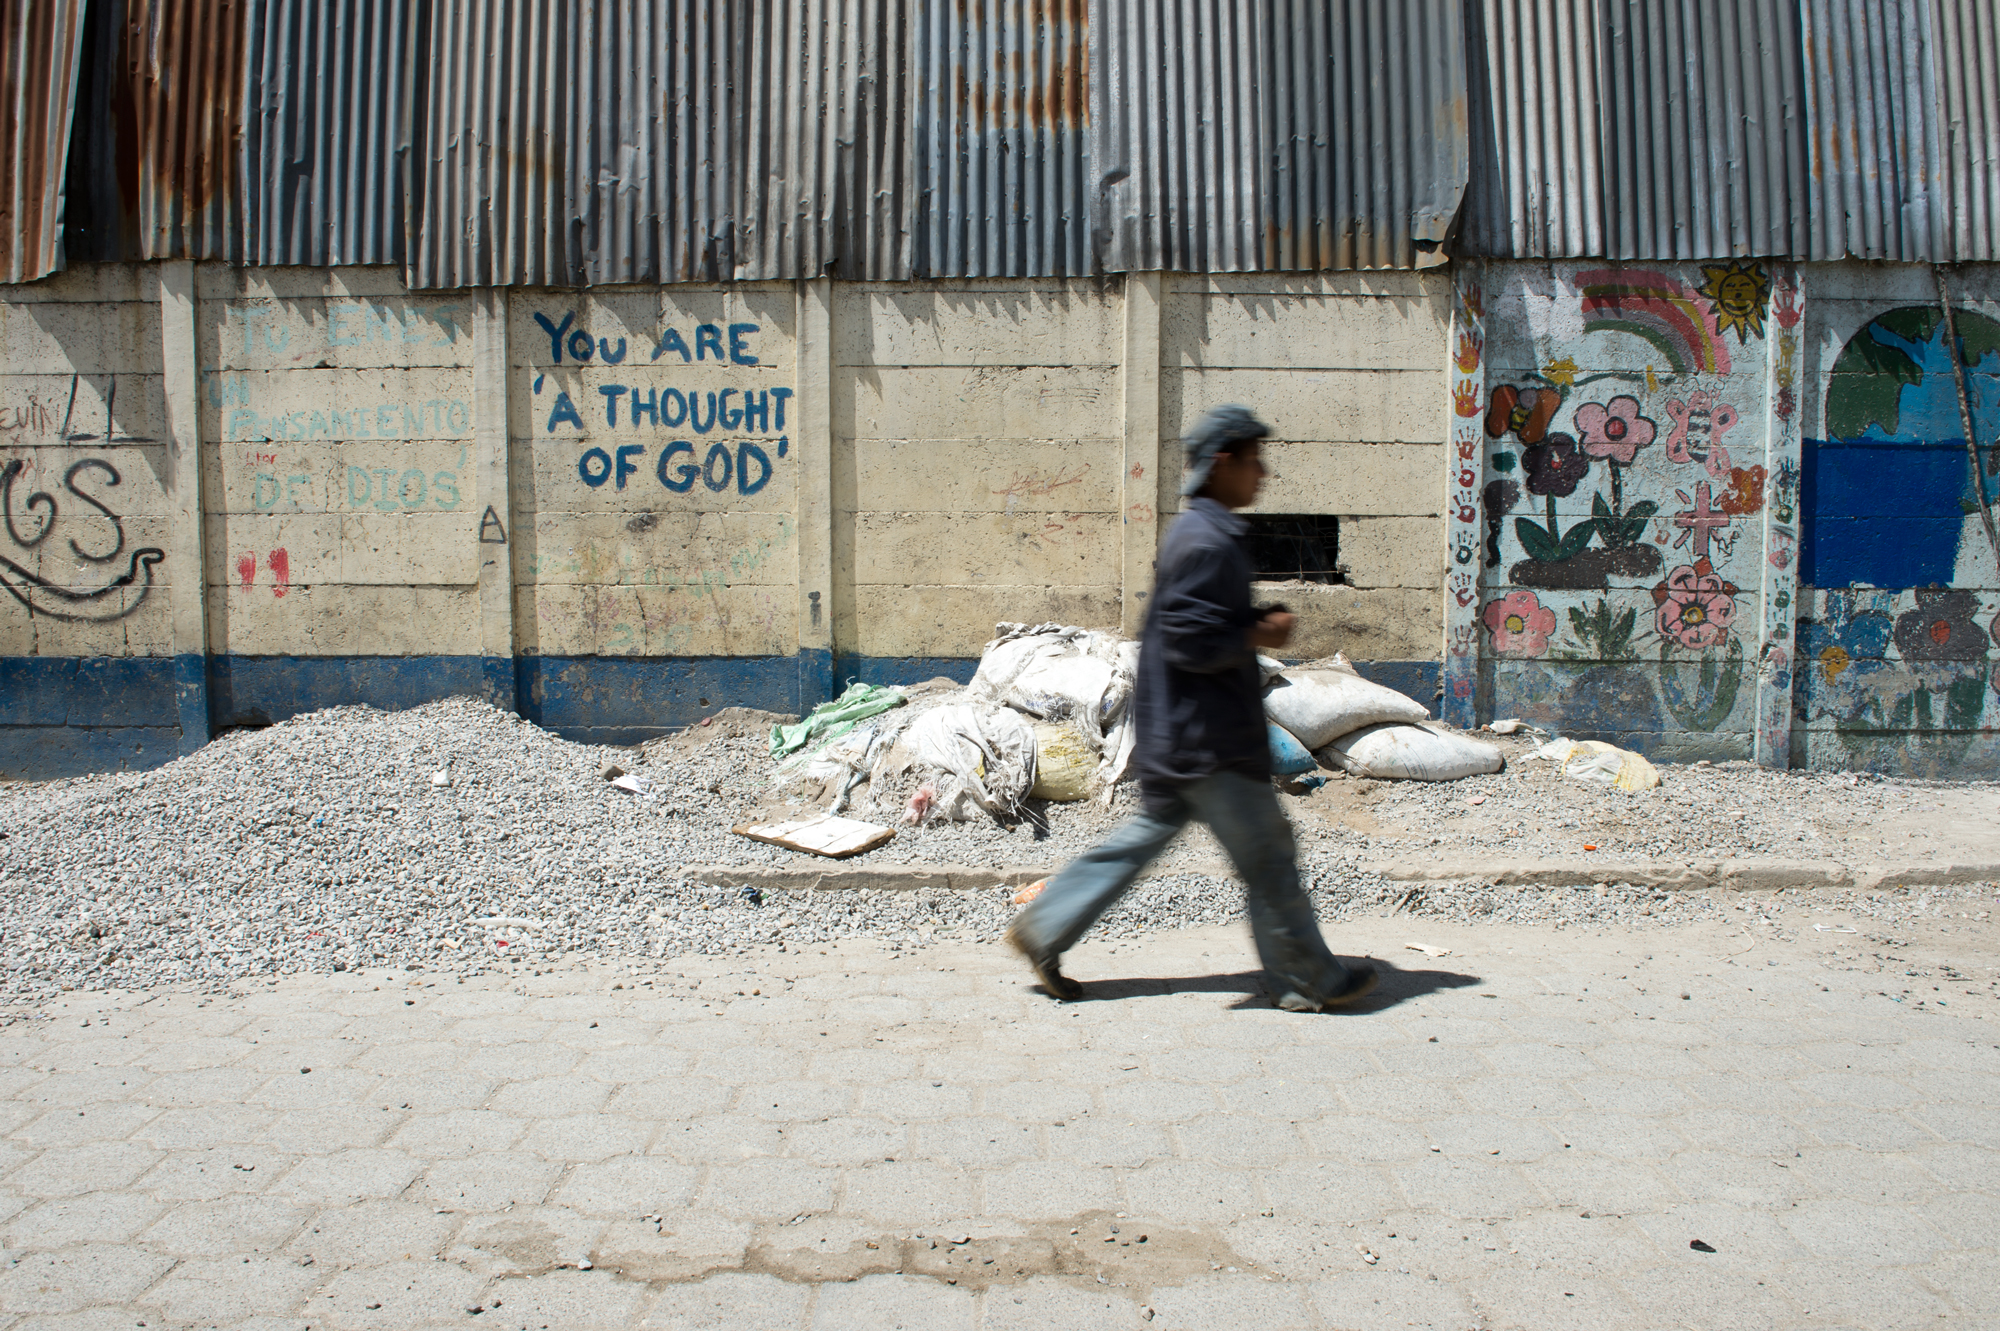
<point>1245,817</point>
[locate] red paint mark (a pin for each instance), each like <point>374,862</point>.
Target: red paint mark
<point>281,569</point>
<point>246,569</point>
<point>1138,470</point>
<point>1941,632</point>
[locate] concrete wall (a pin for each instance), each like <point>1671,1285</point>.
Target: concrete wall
<point>1350,371</point>
<point>1726,510</point>
<point>1900,586</point>
<point>621,509</point>
<point>89,479</point>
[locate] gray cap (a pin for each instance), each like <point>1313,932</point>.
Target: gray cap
<point>1218,432</point>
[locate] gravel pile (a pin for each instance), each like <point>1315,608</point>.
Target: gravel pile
<point>456,837</point>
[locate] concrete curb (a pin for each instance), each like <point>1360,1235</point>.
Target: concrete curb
<point>875,878</point>
<point>1753,875</point>
<point>1728,875</point>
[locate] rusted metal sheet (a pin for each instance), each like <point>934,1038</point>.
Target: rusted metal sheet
<point>1638,129</point>
<point>155,150</point>
<point>326,130</point>
<point>1967,50</point>
<point>1276,135</point>
<point>41,43</point>
<point>1001,126</point>
<point>663,141</point>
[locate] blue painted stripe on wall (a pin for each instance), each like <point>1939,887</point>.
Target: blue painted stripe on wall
<point>87,691</point>
<point>45,753</point>
<point>626,700</point>
<point>259,690</point>
<point>61,716</point>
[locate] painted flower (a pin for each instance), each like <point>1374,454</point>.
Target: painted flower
<point>1523,412</point>
<point>1941,627</point>
<point>1615,429</point>
<point>1694,606</point>
<point>1699,425</point>
<point>1520,624</point>
<point>1745,494</point>
<point>1561,371</point>
<point>1554,466</point>
<point>1846,641</point>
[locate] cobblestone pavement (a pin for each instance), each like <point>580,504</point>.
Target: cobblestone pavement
<point>1528,1132</point>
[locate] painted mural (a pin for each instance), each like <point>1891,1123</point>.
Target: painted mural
<point>1631,428</point>
<point>1899,556</point>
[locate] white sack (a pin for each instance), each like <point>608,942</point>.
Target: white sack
<point>1607,764</point>
<point>1056,672</point>
<point>987,755</point>
<point>1320,705</point>
<point>1397,752</point>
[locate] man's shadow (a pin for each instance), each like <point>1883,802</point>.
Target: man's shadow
<point>1395,986</point>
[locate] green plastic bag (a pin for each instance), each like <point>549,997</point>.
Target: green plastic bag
<point>831,720</point>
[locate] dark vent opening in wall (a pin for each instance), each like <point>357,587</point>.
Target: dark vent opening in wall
<point>1288,547</point>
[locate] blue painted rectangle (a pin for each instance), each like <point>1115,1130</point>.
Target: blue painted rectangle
<point>1881,514</point>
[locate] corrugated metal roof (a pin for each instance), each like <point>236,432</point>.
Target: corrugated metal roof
<point>663,140</point>
<point>1366,131</point>
<point>154,153</point>
<point>567,142</point>
<point>1280,134</point>
<point>827,140</point>
<point>1876,162</point>
<point>1001,151</point>
<point>40,46</point>
<point>1536,186</point>
<point>1638,129</point>
<point>1705,129</point>
<point>1967,51</point>
<point>326,130</point>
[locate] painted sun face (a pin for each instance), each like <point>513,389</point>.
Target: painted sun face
<point>1736,293</point>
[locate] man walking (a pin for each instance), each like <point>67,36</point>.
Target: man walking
<point>1202,750</point>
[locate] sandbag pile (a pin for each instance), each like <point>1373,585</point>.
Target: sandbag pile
<point>1046,715</point>
<point>1357,726</point>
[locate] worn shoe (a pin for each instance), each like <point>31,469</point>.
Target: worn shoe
<point>1048,970</point>
<point>1361,981</point>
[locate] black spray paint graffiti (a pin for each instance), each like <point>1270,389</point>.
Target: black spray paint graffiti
<point>42,597</point>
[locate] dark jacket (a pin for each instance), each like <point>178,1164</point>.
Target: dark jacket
<point>1198,707</point>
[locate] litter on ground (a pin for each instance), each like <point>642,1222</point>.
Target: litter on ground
<point>835,838</point>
